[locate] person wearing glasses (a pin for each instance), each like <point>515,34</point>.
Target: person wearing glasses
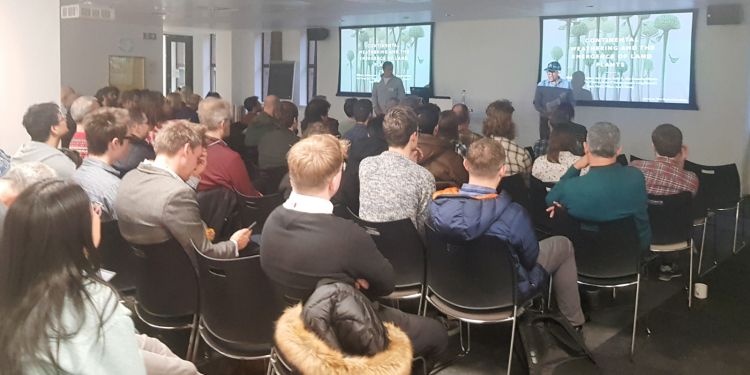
<point>550,93</point>
<point>108,141</point>
<point>46,125</point>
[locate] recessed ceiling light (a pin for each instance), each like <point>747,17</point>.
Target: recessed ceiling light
<point>448,15</point>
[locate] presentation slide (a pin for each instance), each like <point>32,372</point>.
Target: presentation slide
<point>364,49</point>
<point>627,60</point>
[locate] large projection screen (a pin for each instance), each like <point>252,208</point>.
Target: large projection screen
<point>624,60</point>
<point>363,49</point>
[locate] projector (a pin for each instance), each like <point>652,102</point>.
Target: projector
<point>87,10</point>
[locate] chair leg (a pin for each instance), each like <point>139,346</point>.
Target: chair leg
<point>635,315</point>
<point>193,340</point>
<point>512,338</point>
<point>690,285</point>
<point>736,226</point>
<point>464,349</point>
<point>703,243</point>
<point>549,295</point>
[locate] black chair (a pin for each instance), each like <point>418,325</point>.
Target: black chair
<point>117,256</point>
<point>257,209</point>
<point>516,187</point>
<point>167,289</point>
<point>719,190</point>
<point>530,150</point>
<point>634,158</point>
<point>219,209</point>
<point>608,255</point>
<point>538,205</point>
<point>239,306</point>
<point>474,282</point>
<point>622,159</point>
<point>401,244</point>
<point>671,227</point>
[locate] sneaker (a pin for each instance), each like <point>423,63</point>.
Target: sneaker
<point>668,272</point>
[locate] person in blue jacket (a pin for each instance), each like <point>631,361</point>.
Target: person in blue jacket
<point>475,210</point>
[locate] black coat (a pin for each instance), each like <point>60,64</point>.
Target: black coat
<point>345,319</point>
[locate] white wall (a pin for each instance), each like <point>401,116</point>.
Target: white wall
<point>87,45</point>
<point>244,65</point>
<point>30,63</point>
<point>491,60</point>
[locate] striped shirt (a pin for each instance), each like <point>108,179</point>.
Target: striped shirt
<point>100,181</point>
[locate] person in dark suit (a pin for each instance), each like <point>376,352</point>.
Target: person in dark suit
<point>154,202</point>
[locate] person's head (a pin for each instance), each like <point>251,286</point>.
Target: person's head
<point>400,128</point>
<point>174,101</point>
<point>129,98</point>
<point>315,165</point>
<point>67,96</point>
<point>192,101</point>
<point>667,140</point>
<point>152,104</point>
<point>447,126</point>
<point>107,131</point>
<point>49,252</point>
<point>485,162</point>
<point>216,115</point>
<point>553,71</point>
<point>578,80</point>
<point>387,69</point>
<point>252,104</point>
<point>213,94</point>
<point>428,115</point>
<point>182,144</point>
<point>411,101</point>
<point>108,96</point>
<point>562,114</point>
<point>44,122</point>
<point>462,111</point>
<point>288,114</point>
<point>21,176</point>
<point>375,127</point>
<point>316,110</point>
<point>271,105</point>
<point>349,107</point>
<point>362,110</point>
<point>499,120</point>
<point>316,128</point>
<point>82,107</point>
<point>603,140</point>
<point>139,126</point>
<point>560,139</point>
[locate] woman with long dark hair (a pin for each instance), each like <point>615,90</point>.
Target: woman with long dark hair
<point>559,158</point>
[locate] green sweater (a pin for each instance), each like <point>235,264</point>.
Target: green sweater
<point>604,194</point>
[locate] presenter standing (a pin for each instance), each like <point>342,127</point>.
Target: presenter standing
<point>390,87</point>
<point>549,94</point>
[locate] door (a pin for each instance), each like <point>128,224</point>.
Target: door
<point>179,58</point>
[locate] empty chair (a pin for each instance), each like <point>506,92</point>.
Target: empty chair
<point>516,187</point>
<point>401,244</point>
<point>166,288</point>
<point>474,282</point>
<point>671,227</point>
<point>239,306</point>
<point>257,209</point>
<point>117,256</point>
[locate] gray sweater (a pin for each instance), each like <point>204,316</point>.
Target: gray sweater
<point>44,153</point>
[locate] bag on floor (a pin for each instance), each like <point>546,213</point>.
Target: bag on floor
<point>553,347</point>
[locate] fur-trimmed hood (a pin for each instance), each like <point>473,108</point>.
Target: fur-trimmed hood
<point>308,354</point>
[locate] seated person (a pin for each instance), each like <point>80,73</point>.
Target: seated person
<point>392,186</point>
<point>18,178</point>
<point>274,146</point>
<point>78,111</point>
<point>610,191</point>
<point>362,113</point>
<point>499,126</point>
<point>349,122</point>
<point>106,132</point>
<point>665,176</point>
<point>561,117</point>
<point>155,204</point>
<point>304,243</point>
<point>317,111</point>
<point>139,150</point>
<point>559,157</point>
<point>437,153</point>
<point>466,136</point>
<point>263,122</point>
<point>476,210</point>
<point>46,125</point>
<point>224,168</point>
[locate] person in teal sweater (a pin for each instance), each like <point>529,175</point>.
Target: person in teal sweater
<point>609,191</point>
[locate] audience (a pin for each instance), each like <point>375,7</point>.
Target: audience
<point>466,136</point>
<point>362,113</point>
<point>392,185</point>
<point>18,178</point>
<point>665,176</point>
<point>475,210</point>
<point>78,111</point>
<point>67,97</point>
<point>213,94</point>
<point>304,243</point>
<point>316,128</point>
<point>46,125</point>
<point>129,98</point>
<point>108,96</point>
<point>317,110</point>
<point>436,153</point>
<point>560,118</point>
<point>499,126</point>
<point>349,123</point>
<point>263,123</point>
<point>274,146</point>
<point>107,136</point>
<point>610,191</point>
<point>139,150</point>
<point>559,157</point>
<point>154,204</point>
<point>224,168</point>
<point>253,107</point>
<point>178,110</point>
<point>192,101</point>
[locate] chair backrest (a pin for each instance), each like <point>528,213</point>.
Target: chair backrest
<point>166,281</point>
<point>116,255</point>
<point>670,217</point>
<point>219,209</point>
<point>634,158</point>
<point>238,302</point>
<point>476,275</point>
<point>605,249</point>
<point>530,150</point>
<point>719,185</point>
<point>537,202</point>
<point>258,208</point>
<point>516,187</point>
<point>622,159</point>
<point>401,244</point>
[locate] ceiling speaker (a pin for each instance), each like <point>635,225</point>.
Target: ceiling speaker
<point>730,14</point>
<point>317,33</point>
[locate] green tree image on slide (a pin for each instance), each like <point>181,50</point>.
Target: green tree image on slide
<point>665,23</point>
<point>415,33</point>
<point>635,44</point>
<point>579,30</point>
<point>606,28</point>
<point>350,57</point>
<point>648,34</point>
<point>556,54</point>
<point>648,67</point>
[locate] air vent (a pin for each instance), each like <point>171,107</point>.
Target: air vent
<point>88,11</point>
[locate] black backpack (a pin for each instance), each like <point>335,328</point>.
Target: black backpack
<point>553,347</point>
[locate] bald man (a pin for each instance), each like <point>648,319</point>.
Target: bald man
<point>263,122</point>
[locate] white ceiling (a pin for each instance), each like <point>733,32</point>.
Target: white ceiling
<point>282,14</point>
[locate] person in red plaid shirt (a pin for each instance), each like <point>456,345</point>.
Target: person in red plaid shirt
<point>665,176</point>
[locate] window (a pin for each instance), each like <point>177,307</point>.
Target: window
<point>266,62</point>
<point>312,69</point>
<point>212,66</point>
